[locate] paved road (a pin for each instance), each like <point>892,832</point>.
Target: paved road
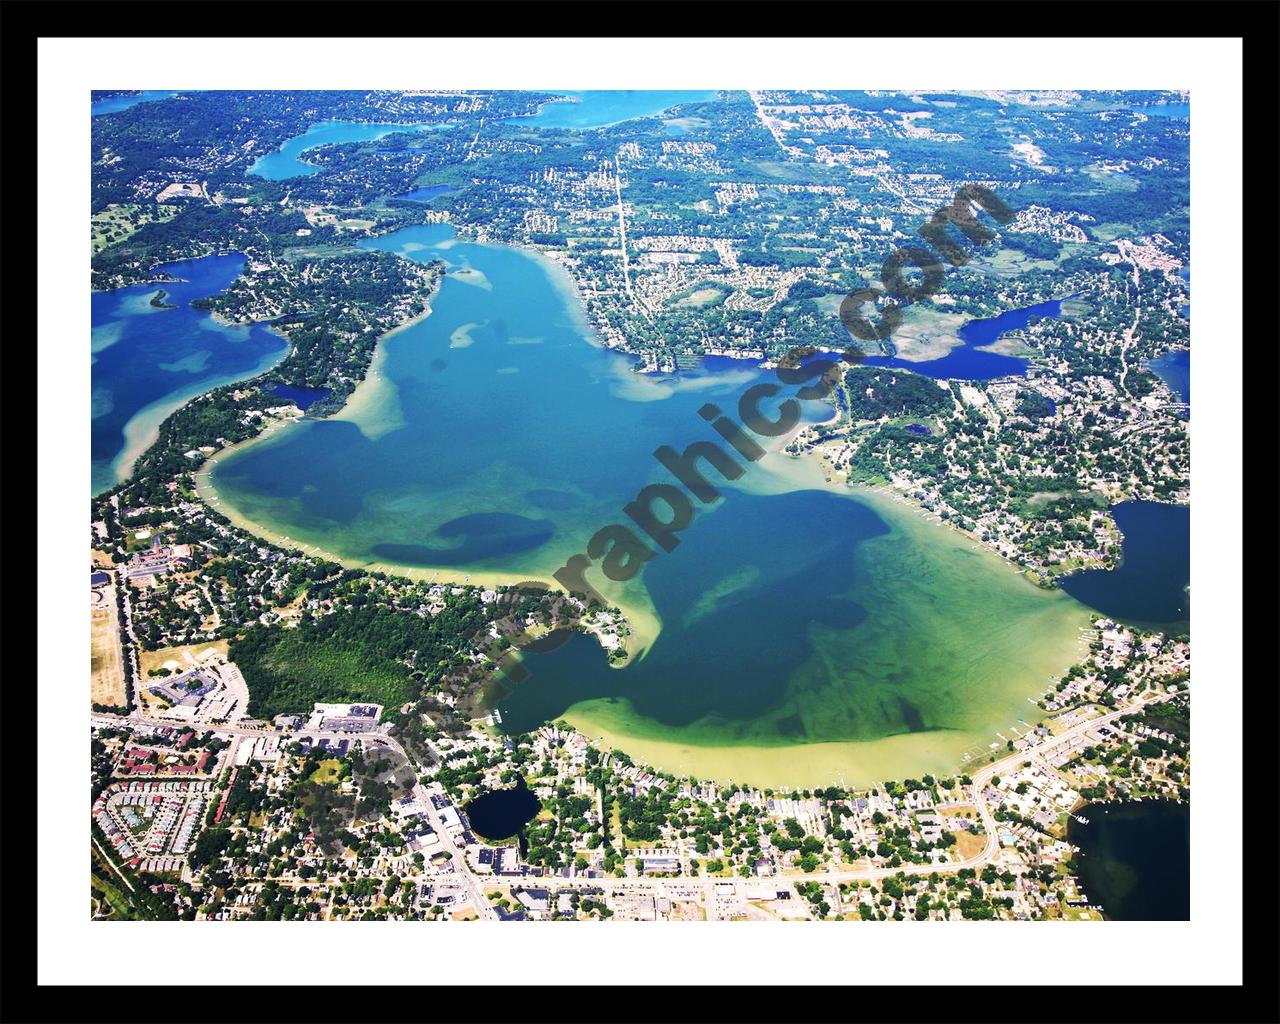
<point>420,792</point>
<point>716,906</point>
<point>980,779</point>
<point>130,649</point>
<point>137,718</point>
<point>1125,344</point>
<point>456,856</point>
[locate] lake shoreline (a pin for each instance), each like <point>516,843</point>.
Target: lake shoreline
<point>937,747</point>
<point>1134,857</point>
<point>642,619</point>
<point>141,430</point>
<point>615,724</point>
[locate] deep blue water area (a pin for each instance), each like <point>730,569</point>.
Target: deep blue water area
<point>287,162</point>
<point>1135,859</point>
<point>967,362</point>
<point>1149,588</point>
<point>150,359</point>
<point>303,398</point>
<point>498,814</point>
<point>1174,368</point>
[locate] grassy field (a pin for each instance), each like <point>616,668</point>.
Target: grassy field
<point>183,657</point>
<point>1110,231</point>
<point>689,124</point>
<point>1046,497</point>
<point>119,222</point>
<point>327,772</point>
<point>310,252</point>
<point>132,542</point>
<point>927,333</point>
<point>1011,263</point>
<point>701,297</point>
<point>780,169</point>
<point>1013,344</point>
<point>106,672</point>
<point>615,828</point>
<point>110,902</point>
<point>1116,181</point>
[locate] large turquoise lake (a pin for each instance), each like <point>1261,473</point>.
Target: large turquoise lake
<point>148,360</point>
<point>799,634</point>
<point>597,108</point>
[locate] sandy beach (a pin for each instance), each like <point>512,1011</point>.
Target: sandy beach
<point>374,405</point>
<point>143,428</point>
<point>640,613</point>
<point>853,764</point>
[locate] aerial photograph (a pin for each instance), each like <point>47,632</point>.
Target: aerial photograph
<point>639,505</point>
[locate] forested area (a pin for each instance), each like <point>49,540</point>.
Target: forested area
<point>875,393</point>
<point>369,653</point>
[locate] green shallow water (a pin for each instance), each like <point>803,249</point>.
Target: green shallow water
<point>806,635</point>
<point>820,642</point>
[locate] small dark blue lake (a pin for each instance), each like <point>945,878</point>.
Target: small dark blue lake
<point>498,814</point>
<point>1149,587</point>
<point>967,362</point>
<point>303,398</point>
<point>1135,859</point>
